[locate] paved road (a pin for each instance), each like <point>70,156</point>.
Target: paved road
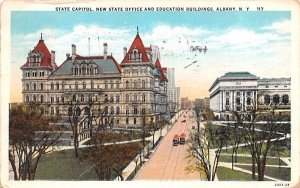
<point>169,162</point>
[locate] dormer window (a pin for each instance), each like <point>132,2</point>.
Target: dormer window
<point>136,55</point>
<point>35,58</point>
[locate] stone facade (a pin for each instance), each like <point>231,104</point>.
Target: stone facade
<point>120,93</point>
<point>241,91</point>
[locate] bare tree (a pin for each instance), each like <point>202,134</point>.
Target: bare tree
<point>30,136</point>
<point>205,148</point>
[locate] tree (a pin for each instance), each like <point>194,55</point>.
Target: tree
<point>261,130</point>
<point>205,148</point>
<point>31,134</point>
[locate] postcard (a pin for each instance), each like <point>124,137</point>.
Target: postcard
<point>150,93</point>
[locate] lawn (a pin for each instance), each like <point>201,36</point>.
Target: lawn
<point>226,174</point>
<point>63,165</point>
<point>270,161</point>
<point>275,172</point>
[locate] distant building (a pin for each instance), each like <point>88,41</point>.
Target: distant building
<point>173,91</point>
<point>186,103</point>
<point>240,91</point>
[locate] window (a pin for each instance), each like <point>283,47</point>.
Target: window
<point>34,98</point>
<point>267,99</point>
<point>135,97</point>
<point>111,85</point>
<point>27,86</point>
<point>57,110</point>
<point>34,86</point>
<point>118,85</point>
<point>248,93</point>
<point>76,85</point>
<point>248,100</point>
<point>134,120</point>
<point>135,84</point>
<point>41,86</point>
<point>52,99</point>
<point>52,86</point>
<point>238,93</point>
<point>111,98</point>
<point>62,99</point>
<point>57,85</point>
<point>285,99</point>
<point>238,108</point>
<point>117,98</point>
<point>276,86</point>
<point>143,84</point>
<point>143,98</point>
<point>238,101</point>
<point>127,120</point>
<point>92,85</point>
<point>82,98</point>
<point>52,111</point>
<point>127,98</point>
<point>227,101</point>
<point>227,93</point>
<point>57,99</point>
<point>74,98</point>
<point>267,86</point>
<point>27,98</point>
<point>105,85</point>
<point>118,110</point>
<point>84,85</point>
<point>127,110</point>
<point>63,85</point>
<point>127,84</point>
<point>105,110</point>
<point>112,110</point>
<point>135,109</point>
<point>276,99</point>
<point>42,98</point>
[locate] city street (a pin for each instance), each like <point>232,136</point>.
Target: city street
<point>169,162</point>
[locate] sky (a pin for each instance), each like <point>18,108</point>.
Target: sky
<point>257,42</point>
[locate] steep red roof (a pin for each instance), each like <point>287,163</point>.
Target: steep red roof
<point>46,59</point>
<point>161,69</point>
<point>138,44</point>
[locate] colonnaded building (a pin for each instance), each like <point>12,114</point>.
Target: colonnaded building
<point>240,91</point>
<point>120,93</point>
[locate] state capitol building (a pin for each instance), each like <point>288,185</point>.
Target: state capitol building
<point>120,92</point>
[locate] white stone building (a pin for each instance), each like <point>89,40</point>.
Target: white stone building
<point>240,91</point>
<point>119,93</point>
<point>174,99</point>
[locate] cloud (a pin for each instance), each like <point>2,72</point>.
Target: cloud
<point>282,27</point>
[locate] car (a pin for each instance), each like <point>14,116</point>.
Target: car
<point>182,138</point>
<point>183,121</point>
<point>175,140</point>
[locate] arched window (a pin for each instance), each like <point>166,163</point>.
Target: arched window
<point>118,85</point>
<point>135,109</point>
<point>92,85</point>
<point>144,97</point>
<point>134,120</point>
<point>276,99</point>
<point>42,98</point>
<point>42,86</point>
<point>267,99</point>
<point>285,99</point>
<point>27,86</point>
<point>127,97</point>
<point>117,98</point>
<point>57,110</point>
<point>76,70</point>
<point>84,85</point>
<point>82,98</point>
<point>57,85</point>
<point>118,110</point>
<point>248,100</point>
<point>127,120</point>
<point>112,110</point>
<point>83,70</point>
<point>76,85</point>
<point>111,98</point>
<point>34,86</point>
<point>135,84</point>
<point>52,86</point>
<point>34,98</point>
<point>143,84</point>
<point>27,98</point>
<point>105,110</point>
<point>74,98</point>
<point>127,84</point>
